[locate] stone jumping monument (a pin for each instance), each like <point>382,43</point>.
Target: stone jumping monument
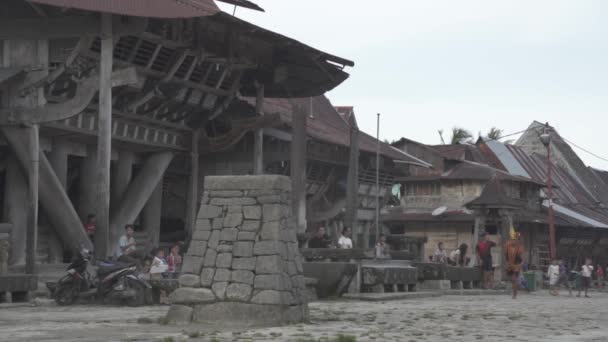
<point>243,264</point>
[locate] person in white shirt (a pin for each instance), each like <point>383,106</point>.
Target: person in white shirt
<point>553,275</point>
<point>126,250</point>
<point>440,254</point>
<point>345,241</point>
<point>587,272</point>
<point>159,265</point>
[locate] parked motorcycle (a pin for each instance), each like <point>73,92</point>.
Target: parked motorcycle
<point>116,283</point>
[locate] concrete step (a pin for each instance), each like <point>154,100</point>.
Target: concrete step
<point>474,292</point>
<point>379,297</point>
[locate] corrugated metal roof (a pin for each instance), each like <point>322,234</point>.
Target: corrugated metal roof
<point>507,159</point>
<point>141,8</point>
<point>573,214</point>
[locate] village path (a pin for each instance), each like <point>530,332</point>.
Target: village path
<point>536,317</point>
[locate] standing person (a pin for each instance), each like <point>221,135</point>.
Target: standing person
<point>484,254</point>
<point>174,261</point>
<point>345,241</point>
<point>320,240</point>
<point>382,248</point>
<point>91,226</point>
<point>126,251</point>
<point>440,255</point>
<point>600,276</point>
<point>553,274</point>
<point>587,272</point>
<point>514,252</point>
<point>159,264</point>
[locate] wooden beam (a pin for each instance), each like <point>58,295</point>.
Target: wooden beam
<point>193,187</point>
<point>61,111</point>
<point>258,143</point>
<point>32,212</point>
<point>67,27</point>
<point>352,180</point>
<point>104,141</point>
<point>298,168</point>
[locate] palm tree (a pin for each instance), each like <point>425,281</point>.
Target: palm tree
<point>460,135</point>
<point>494,134</point>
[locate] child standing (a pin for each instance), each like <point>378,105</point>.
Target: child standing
<point>553,275</point>
<point>600,277</point>
<point>159,265</point>
<point>587,272</point>
<point>175,262</point>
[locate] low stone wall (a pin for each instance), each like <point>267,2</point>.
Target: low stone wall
<point>243,265</point>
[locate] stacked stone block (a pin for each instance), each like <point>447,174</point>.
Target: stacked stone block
<point>243,263</point>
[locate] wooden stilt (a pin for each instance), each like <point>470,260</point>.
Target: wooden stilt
<point>152,215</point>
<point>59,162</point>
<point>298,168</point>
<point>15,209</point>
<point>352,181</point>
<point>104,141</point>
<point>258,143</point>
<point>32,214</point>
<point>193,187</point>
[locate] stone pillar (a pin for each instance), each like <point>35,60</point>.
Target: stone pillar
<point>58,157</point>
<point>258,142</point>
<point>506,223</point>
<point>243,263</point>
<point>15,209</point>
<point>121,177</point>
<point>480,227</point>
<point>86,187</point>
<point>152,215</point>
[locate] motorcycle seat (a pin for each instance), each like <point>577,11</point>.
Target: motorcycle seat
<point>109,268</point>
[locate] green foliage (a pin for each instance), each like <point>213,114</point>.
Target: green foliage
<point>494,133</point>
<point>460,135</point>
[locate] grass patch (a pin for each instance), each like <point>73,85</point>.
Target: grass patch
<point>194,334</point>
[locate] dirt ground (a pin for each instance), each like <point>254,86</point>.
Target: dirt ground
<point>535,317</point>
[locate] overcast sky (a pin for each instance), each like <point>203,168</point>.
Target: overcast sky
<point>427,65</point>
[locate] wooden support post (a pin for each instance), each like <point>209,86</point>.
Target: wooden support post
<point>58,157</point>
<point>505,225</point>
<point>32,212</point>
<point>87,186</point>
<point>298,168</point>
<point>258,143</point>
<point>121,176</point>
<point>352,180</point>
<point>193,186</point>
<point>15,209</point>
<point>152,215</point>
<point>104,141</point>
<point>480,227</point>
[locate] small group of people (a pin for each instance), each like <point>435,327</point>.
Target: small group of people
<point>344,241</point>
<point>559,275</point>
<point>458,256</point>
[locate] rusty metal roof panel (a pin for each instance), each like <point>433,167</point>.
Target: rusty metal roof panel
<point>141,8</point>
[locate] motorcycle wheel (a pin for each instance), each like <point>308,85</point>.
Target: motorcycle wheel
<point>66,293</point>
<point>140,293</point>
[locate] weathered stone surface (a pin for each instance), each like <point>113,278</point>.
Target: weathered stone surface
<point>246,236</point>
<point>224,248</point>
<point>268,247</point>
<point>223,260</point>
<point>205,198</point>
<point>268,264</point>
<point>209,211</point>
<point>269,282</point>
<point>241,276</point>
<point>272,212</point>
<point>250,225</point>
<point>217,223</point>
<point>257,182</point>
<point>271,230</point>
<point>202,235</point>
<point>252,212</point>
<point>210,257</point>
<point>197,248</point>
<point>190,295</point>
<point>247,314</point>
<point>243,249</point>
<point>189,280</point>
<point>291,268</point>
<point>226,193</point>
<point>262,192</point>
<point>233,201</point>
<point>238,292</point>
<point>233,220</point>
<point>219,289</point>
<point>269,199</point>
<point>235,209</point>
<point>268,297</point>
<point>179,314</point>
<point>207,275</point>
<point>214,239</point>
<point>243,264</point>
<point>192,264</point>
<point>203,224</point>
<point>222,274</point>
<point>229,234</point>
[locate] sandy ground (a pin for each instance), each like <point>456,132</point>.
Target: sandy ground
<point>536,317</point>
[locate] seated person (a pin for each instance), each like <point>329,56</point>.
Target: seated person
<point>382,248</point>
<point>126,251</point>
<point>320,240</point>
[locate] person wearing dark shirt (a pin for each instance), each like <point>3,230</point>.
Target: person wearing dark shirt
<point>484,252</point>
<point>91,226</point>
<point>319,240</point>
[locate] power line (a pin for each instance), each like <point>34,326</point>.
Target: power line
<point>585,150</point>
<point>457,146</point>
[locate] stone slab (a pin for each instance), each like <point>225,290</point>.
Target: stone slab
<point>179,314</point>
<point>245,314</point>
<point>189,295</point>
<point>380,297</point>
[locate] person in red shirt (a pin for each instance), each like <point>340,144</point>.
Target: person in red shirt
<point>91,226</point>
<point>484,254</point>
<point>600,276</point>
<point>174,261</point>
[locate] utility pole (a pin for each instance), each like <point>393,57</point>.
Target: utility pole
<point>545,138</point>
<point>378,178</point>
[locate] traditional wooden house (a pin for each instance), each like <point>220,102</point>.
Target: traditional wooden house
<point>105,106</point>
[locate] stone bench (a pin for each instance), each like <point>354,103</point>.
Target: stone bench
<point>336,254</point>
<point>444,277</point>
<point>380,276</point>
<point>17,286</point>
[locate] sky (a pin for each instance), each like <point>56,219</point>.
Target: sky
<point>477,64</point>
